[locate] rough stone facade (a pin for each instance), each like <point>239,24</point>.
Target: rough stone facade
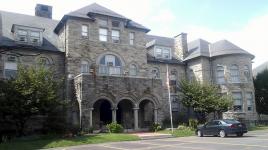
<point>138,100</point>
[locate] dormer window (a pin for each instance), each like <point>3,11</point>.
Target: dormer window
<point>28,35</point>
<point>116,24</point>
<point>162,52</point>
<point>22,35</point>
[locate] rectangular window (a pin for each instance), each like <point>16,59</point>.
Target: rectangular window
<point>22,35</point>
<point>10,67</point>
<point>238,103</point>
<point>103,34</point>
<point>166,53</point>
<point>158,52</point>
<point>103,22</point>
<point>35,37</point>
<point>249,97</point>
<point>131,38</point>
<point>116,24</point>
<point>115,36</point>
<point>84,30</point>
<point>220,75</point>
<point>175,103</point>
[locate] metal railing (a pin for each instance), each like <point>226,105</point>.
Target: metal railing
<point>110,70</point>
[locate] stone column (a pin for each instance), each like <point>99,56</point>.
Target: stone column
<point>136,118</point>
<point>155,115</point>
<point>90,117</point>
<point>114,114</point>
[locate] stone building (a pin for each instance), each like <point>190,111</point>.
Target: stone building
<point>115,71</point>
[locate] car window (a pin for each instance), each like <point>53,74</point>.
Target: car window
<point>216,122</point>
<point>209,123</point>
<point>229,121</point>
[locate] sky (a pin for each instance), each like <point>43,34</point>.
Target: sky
<point>243,22</point>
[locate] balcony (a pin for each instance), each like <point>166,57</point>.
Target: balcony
<point>110,70</point>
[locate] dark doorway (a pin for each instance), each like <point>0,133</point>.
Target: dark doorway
<point>102,113</point>
<point>146,114</point>
<point>124,114</point>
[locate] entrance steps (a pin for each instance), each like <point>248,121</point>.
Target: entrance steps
<point>152,135</point>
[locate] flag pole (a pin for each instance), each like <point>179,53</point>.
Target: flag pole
<point>170,108</point>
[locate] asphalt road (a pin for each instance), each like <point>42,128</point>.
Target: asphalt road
<point>255,140</point>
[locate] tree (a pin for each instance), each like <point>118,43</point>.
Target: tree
<point>34,91</point>
<point>261,92</point>
<point>203,98</point>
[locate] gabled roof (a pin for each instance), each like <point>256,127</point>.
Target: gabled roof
<point>51,40</point>
<point>159,40</point>
<point>203,48</point>
<point>87,12</point>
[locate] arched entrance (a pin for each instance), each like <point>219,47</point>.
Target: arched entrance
<point>146,113</point>
<point>124,114</point>
<point>102,113</point>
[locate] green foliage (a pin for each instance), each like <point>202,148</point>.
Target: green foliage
<point>114,127</point>
<point>34,91</point>
<point>193,123</point>
<point>155,127</point>
<point>203,98</point>
<point>261,92</point>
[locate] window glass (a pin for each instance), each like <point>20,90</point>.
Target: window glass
<point>84,30</point>
<point>131,38</point>
<point>133,70</point>
<point>22,35</point>
<point>220,75</point>
<point>115,36</point>
<point>238,103</point>
<point>103,33</point>
<point>84,66</point>
<point>234,73</point>
<point>249,97</point>
<point>10,67</point>
<point>35,37</point>
<point>166,53</point>
<point>110,65</point>
<point>158,52</point>
<point>247,73</point>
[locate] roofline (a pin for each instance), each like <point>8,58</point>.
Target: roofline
<point>29,47</point>
<point>252,56</point>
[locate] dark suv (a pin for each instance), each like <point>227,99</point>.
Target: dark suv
<point>222,128</point>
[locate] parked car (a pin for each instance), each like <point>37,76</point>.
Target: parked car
<point>222,128</point>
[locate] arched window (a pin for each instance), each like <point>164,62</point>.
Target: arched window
<point>110,65</point>
<point>220,75</point>
<point>247,73</point>
<point>155,73</point>
<point>132,70</point>
<point>234,74</point>
<point>84,66</point>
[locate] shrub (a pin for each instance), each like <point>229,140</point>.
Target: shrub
<point>193,123</point>
<point>182,127</point>
<point>155,127</point>
<point>114,127</point>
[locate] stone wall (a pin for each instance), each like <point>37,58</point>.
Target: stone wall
<point>116,89</point>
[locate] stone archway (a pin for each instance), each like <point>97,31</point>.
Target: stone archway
<point>146,113</point>
<point>125,114</point>
<point>102,113</point>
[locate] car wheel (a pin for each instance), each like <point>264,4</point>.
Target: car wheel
<point>239,134</point>
<point>222,134</point>
<point>199,133</point>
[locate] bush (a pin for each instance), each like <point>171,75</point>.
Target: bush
<point>155,127</point>
<point>114,127</point>
<point>193,123</point>
<point>183,127</point>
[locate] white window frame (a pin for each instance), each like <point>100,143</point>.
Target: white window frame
<point>131,38</point>
<point>10,65</point>
<point>249,98</point>
<point>157,53</point>
<point>102,36</point>
<point>237,100</point>
<point>84,30</point>
<point>247,73</point>
<point>220,79</point>
<point>115,34</point>
<point>84,66</point>
<point>29,37</point>
<point>235,74</point>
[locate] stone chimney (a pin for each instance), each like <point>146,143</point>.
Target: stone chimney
<point>43,11</point>
<point>181,48</point>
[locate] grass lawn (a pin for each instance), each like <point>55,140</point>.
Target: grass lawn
<point>52,141</point>
<point>260,127</point>
<point>179,132</point>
